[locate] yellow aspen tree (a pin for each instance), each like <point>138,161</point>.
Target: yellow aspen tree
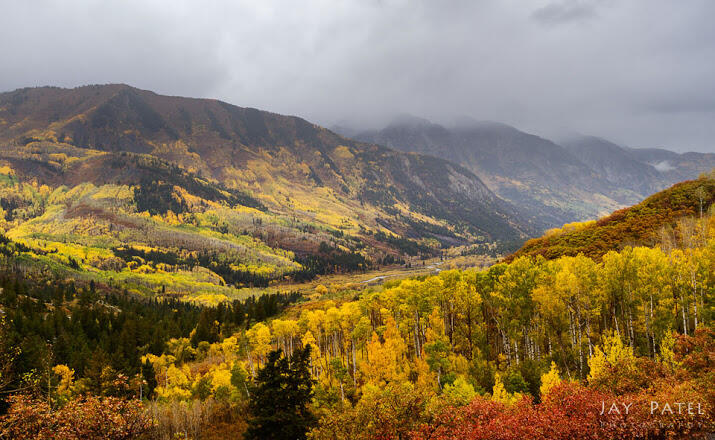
<point>549,380</point>
<point>66,375</point>
<point>259,340</point>
<point>386,362</point>
<point>500,394</point>
<point>315,354</point>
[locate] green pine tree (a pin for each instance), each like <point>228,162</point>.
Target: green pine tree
<point>280,397</point>
<point>149,376</point>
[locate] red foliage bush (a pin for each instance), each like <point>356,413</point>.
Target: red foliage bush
<point>83,418</point>
<point>571,411</point>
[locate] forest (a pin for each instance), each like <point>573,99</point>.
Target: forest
<point>531,348</point>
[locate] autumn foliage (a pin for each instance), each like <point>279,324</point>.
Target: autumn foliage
<point>88,417</point>
<point>572,411</point>
<point>533,349</point>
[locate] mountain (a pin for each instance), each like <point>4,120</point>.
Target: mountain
<point>253,151</point>
<point>641,224</point>
<point>674,167</point>
<point>115,182</point>
<point>542,178</point>
<point>616,164</point>
<point>581,178</point>
<point>642,170</point>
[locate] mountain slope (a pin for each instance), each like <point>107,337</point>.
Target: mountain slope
<point>287,163</point>
<point>641,170</point>
<point>637,225</point>
<point>674,167</point>
<point>578,179</point>
<point>541,178</point>
<point>616,164</point>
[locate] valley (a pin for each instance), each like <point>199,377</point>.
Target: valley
<point>357,220</point>
<point>176,262</point>
<point>204,200</point>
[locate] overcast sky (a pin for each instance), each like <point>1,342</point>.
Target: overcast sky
<point>638,72</point>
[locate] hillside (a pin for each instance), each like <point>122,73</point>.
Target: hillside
<point>531,348</point>
<point>641,170</point>
<point>103,224</point>
<point>640,224</point>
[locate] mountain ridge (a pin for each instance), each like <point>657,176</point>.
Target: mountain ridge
<point>581,178</point>
<point>276,158</point>
<point>531,172</point>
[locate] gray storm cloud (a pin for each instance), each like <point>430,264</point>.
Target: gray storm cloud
<point>639,72</point>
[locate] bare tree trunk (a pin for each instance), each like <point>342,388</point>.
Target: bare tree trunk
<point>418,349</point>
<point>630,328</point>
<point>580,344</point>
<point>685,321</point>
<point>651,336</point>
<point>354,362</point>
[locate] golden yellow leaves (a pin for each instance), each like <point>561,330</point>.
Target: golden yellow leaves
<point>550,380</point>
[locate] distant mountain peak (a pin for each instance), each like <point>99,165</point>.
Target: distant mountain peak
<point>594,143</point>
<point>468,122</point>
<point>409,120</point>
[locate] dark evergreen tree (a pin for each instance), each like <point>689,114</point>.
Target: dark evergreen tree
<point>149,376</point>
<point>206,329</point>
<point>279,399</point>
